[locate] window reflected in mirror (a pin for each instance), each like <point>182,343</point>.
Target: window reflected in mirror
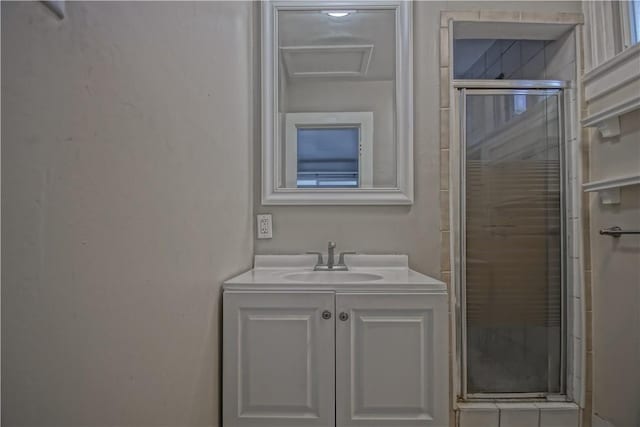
<point>328,157</point>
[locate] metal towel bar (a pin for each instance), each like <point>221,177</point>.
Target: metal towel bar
<point>616,231</point>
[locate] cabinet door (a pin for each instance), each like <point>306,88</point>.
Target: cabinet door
<point>278,360</point>
<point>391,360</point>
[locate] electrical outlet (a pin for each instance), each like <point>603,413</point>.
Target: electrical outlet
<point>265,230</point>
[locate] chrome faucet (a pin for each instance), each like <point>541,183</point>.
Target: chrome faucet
<point>330,255</point>
<point>331,260</point>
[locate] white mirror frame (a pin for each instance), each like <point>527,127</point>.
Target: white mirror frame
<point>272,165</point>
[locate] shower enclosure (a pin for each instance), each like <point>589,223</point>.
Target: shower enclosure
<point>511,241</point>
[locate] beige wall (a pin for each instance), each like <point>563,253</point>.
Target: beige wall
<point>616,281</point>
<point>414,230</point>
<point>126,200</point>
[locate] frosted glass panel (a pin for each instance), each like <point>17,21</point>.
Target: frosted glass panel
<point>513,243</point>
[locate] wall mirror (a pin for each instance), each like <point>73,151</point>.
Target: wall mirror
<point>337,104</point>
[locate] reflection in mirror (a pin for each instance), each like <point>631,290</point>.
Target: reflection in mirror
<point>337,98</point>
<point>328,157</point>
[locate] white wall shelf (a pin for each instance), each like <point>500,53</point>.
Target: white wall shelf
<point>609,189</point>
<point>612,89</point>
<point>608,120</point>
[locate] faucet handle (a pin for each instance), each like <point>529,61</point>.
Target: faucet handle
<point>342,254</point>
<point>319,254</point>
<point>332,244</point>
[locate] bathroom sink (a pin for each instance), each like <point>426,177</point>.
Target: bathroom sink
<point>332,277</point>
<point>366,273</point>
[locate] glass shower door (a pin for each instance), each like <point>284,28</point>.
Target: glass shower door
<point>512,242</point>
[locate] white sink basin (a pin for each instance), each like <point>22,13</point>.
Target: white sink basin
<point>332,277</point>
<point>366,273</point>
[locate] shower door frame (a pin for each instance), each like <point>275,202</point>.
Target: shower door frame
<point>463,88</point>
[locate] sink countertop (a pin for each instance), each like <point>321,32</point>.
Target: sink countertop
<point>270,273</point>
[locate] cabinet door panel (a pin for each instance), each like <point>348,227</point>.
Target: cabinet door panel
<point>391,360</point>
<point>278,357</point>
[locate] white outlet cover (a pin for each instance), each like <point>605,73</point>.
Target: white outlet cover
<point>264,226</point>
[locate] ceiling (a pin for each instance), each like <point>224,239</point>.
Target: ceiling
<point>349,43</point>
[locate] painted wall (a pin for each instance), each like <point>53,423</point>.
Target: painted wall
<point>414,230</point>
<point>126,200</point>
<point>616,280</point>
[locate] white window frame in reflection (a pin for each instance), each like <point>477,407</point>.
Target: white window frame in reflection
<point>362,120</point>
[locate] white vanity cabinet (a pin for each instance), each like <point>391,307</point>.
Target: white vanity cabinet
<point>390,354</point>
<point>279,359</point>
<point>335,355</point>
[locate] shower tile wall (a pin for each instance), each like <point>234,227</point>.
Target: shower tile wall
<point>509,59</point>
<point>518,414</point>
